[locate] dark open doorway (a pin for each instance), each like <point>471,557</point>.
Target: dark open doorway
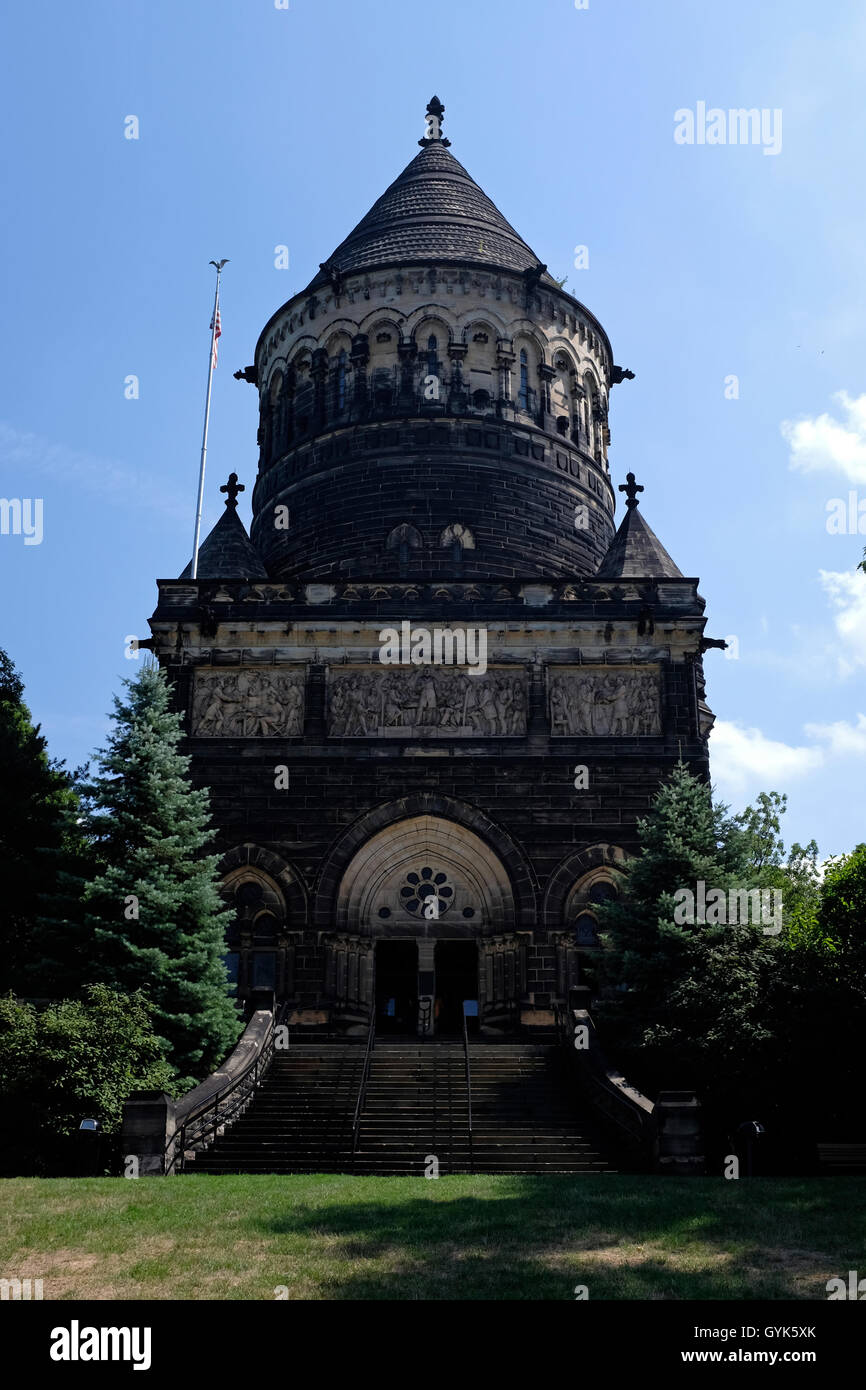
<point>396,986</point>
<point>456,985</point>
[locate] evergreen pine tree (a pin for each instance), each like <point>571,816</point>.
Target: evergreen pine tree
<point>154,909</point>
<point>40,843</point>
<point>59,965</point>
<point>683,1000</point>
<point>683,841</point>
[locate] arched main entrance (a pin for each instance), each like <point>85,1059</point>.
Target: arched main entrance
<point>435,903</point>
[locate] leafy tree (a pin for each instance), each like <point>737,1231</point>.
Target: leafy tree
<point>684,840</point>
<point>840,944</point>
<point>41,850</point>
<point>742,1016</point>
<point>762,825</point>
<point>821,1008</point>
<point>804,879</point>
<point>685,1001</point>
<point>797,875</point>
<point>73,1059</point>
<point>842,915</point>
<point>154,908</point>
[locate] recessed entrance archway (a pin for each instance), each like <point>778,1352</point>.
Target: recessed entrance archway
<point>425,876</point>
<point>429,885</point>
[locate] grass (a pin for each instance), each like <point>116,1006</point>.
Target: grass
<point>342,1237</point>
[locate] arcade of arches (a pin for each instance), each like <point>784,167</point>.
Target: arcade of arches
<point>426,928</point>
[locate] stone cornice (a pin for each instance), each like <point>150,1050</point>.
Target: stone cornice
<point>568,601</point>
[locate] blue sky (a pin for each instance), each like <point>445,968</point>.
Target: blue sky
<point>262,126</point>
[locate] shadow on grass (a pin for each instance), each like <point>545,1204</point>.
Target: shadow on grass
<point>530,1238</point>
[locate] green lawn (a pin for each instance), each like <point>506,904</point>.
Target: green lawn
<point>336,1237</point>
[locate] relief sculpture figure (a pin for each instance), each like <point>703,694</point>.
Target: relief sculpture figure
<point>248,703</point>
<point>604,704</point>
<point>429,700</point>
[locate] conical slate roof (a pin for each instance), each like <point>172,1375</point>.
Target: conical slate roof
<point>228,552</point>
<point>636,552</point>
<point>433,212</point>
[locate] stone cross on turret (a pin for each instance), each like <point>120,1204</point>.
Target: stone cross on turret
<point>232,487</point>
<point>433,130</point>
<point>631,490</point>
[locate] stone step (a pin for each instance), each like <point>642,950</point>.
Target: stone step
<point>416,1104</point>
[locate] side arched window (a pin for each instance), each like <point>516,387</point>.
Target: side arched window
<point>585,929</point>
<point>523,393</point>
<point>404,539</point>
<point>340,383</point>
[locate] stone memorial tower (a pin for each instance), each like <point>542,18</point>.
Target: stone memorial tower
<point>435,686</point>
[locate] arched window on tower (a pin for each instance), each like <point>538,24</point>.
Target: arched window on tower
<point>432,355</point>
<point>577,425</point>
<point>561,393</point>
<point>523,393</point>
<point>590,403</point>
<point>340,382</point>
<point>404,539</point>
<point>457,538</point>
<point>303,397</point>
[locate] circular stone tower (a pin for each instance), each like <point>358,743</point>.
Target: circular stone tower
<point>432,692</point>
<point>433,403</point>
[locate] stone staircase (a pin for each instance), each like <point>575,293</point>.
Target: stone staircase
<point>416,1108</point>
<point>301,1118</point>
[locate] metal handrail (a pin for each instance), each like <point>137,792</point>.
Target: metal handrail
<point>257,1066</point>
<point>561,1023</point>
<point>468,1090</point>
<point>365,1073</point>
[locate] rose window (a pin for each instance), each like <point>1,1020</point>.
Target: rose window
<point>426,893</point>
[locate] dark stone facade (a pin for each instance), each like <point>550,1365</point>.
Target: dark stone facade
<point>515,487</point>
<point>506,800</point>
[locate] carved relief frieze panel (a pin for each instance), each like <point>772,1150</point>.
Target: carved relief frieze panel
<point>248,702</point>
<point>426,702</point>
<point>604,701</point>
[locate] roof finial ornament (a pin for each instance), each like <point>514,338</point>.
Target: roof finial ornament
<point>433,130</point>
<point>232,487</point>
<point>631,490</point>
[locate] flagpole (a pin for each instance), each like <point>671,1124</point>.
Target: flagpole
<point>216,304</point>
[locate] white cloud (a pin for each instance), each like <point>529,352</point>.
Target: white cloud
<point>825,654</point>
<point>744,760</point>
<point>824,444</point>
<point>847,592</point>
<point>842,739</point>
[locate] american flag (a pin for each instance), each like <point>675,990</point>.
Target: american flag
<point>215,338</point>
